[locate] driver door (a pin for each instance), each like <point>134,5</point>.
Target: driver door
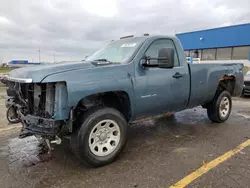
<point>159,90</point>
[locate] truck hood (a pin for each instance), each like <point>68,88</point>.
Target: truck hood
<point>37,73</point>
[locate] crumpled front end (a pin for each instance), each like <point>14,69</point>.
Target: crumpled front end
<point>42,107</point>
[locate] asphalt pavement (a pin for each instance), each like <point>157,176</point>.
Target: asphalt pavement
<point>159,153</point>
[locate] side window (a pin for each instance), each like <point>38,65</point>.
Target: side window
<point>154,48</point>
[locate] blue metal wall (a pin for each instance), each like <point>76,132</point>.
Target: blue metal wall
<point>26,62</point>
<point>237,35</point>
<point>18,62</point>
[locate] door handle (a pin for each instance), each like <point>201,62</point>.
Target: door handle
<point>177,75</point>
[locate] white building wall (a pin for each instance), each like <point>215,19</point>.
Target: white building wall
<point>245,62</point>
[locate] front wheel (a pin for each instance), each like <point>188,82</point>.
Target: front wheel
<point>219,109</point>
<point>101,136</point>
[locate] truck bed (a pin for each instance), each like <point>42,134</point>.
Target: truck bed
<point>206,77</point>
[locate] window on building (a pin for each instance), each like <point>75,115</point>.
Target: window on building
<point>223,53</point>
<point>199,53</point>
<point>241,52</point>
<point>195,53</point>
<point>186,53</point>
<point>208,54</point>
<point>154,48</point>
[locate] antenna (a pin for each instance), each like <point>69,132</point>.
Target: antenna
<point>129,36</point>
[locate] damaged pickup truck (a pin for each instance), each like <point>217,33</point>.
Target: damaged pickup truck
<point>93,101</point>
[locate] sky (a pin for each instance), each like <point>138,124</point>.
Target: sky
<point>64,30</point>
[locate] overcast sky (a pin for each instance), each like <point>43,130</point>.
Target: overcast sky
<point>71,29</point>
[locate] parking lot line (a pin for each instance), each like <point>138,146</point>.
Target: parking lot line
<point>207,167</point>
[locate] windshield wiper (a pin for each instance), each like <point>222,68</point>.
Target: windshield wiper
<point>105,60</point>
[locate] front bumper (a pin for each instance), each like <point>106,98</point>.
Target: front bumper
<point>41,126</point>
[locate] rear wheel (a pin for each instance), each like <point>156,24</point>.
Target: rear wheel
<point>219,109</point>
<point>101,136</point>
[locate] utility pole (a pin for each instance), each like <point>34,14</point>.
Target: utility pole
<point>39,55</point>
<point>54,57</point>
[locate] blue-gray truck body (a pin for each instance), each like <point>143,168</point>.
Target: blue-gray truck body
<point>150,90</point>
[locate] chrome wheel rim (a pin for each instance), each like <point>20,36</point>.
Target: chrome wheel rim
<point>104,138</point>
<point>224,107</point>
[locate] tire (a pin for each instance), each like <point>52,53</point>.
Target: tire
<point>92,132</point>
<point>9,115</point>
<point>214,110</point>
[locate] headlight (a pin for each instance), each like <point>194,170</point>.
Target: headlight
<point>21,80</point>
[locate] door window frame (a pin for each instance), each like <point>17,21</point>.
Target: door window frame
<point>177,54</point>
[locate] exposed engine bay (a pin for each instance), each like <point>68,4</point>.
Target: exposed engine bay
<point>40,107</point>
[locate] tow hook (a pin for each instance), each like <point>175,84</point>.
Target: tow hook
<point>56,141</point>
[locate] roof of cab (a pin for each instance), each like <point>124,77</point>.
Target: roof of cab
<point>149,36</point>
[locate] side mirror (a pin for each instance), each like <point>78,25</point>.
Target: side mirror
<point>166,58</point>
<point>145,62</point>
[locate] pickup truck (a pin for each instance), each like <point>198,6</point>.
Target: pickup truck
<point>93,101</point>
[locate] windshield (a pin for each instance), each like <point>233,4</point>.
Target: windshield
<point>117,51</point>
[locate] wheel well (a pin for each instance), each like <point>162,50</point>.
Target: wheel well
<point>227,83</point>
<point>114,99</point>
